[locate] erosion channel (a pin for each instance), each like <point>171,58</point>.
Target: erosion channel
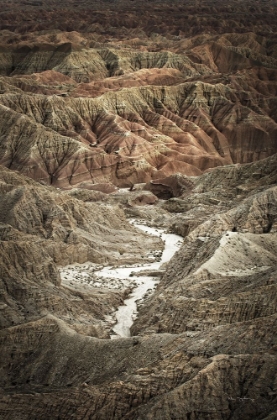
<point>144,283</point>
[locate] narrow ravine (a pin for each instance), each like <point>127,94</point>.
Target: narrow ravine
<point>144,284</point>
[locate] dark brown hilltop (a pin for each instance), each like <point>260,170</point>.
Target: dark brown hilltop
<point>176,103</point>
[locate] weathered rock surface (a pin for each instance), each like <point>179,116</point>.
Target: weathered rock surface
<point>172,186</point>
<point>93,107</point>
<point>180,105</point>
<point>41,228</point>
<point>207,341</point>
<point>132,135</point>
<point>229,248</point>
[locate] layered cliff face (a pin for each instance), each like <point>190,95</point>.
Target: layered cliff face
<point>177,102</point>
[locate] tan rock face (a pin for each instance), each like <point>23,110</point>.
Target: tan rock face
<point>75,110</point>
<point>42,227</point>
<point>205,337</point>
<point>132,135</point>
<point>169,100</point>
<point>224,272</point>
<point>172,186</point>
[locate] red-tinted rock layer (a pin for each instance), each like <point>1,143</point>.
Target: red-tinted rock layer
<point>79,106</point>
<point>178,96</point>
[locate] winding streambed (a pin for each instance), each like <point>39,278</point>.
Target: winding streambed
<point>126,314</point>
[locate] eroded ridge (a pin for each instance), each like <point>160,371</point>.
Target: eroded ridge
<point>164,113</point>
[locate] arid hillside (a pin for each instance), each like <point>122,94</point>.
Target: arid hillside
<point>119,99</point>
<point>162,114</point>
<point>203,345</point>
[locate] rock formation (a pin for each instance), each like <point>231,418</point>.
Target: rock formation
<point>78,107</point>
<point>42,228</point>
<point>172,120</point>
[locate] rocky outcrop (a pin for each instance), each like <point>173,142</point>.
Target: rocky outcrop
<point>132,135</point>
<point>62,221</point>
<point>204,341</point>
<point>108,21</point>
<point>172,186</point>
<point>41,227</point>
<point>225,270</point>
<point>102,112</point>
<point>78,113</point>
<point>152,377</point>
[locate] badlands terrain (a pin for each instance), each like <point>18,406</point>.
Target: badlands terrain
<point>115,114</point>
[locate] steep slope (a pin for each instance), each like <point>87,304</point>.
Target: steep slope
<point>80,107</point>
<point>177,102</point>
<point>206,342</point>
<point>39,228</point>
<point>136,134</point>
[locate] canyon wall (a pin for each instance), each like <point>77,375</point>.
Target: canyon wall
<point>176,102</point>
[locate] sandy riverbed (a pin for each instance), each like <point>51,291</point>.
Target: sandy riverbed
<point>125,278</point>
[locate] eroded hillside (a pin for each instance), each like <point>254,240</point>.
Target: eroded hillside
<point>177,103</point>
<point>93,105</point>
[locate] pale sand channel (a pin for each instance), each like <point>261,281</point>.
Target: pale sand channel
<point>126,314</point>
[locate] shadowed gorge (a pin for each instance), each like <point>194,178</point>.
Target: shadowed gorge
<point>119,114</point>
